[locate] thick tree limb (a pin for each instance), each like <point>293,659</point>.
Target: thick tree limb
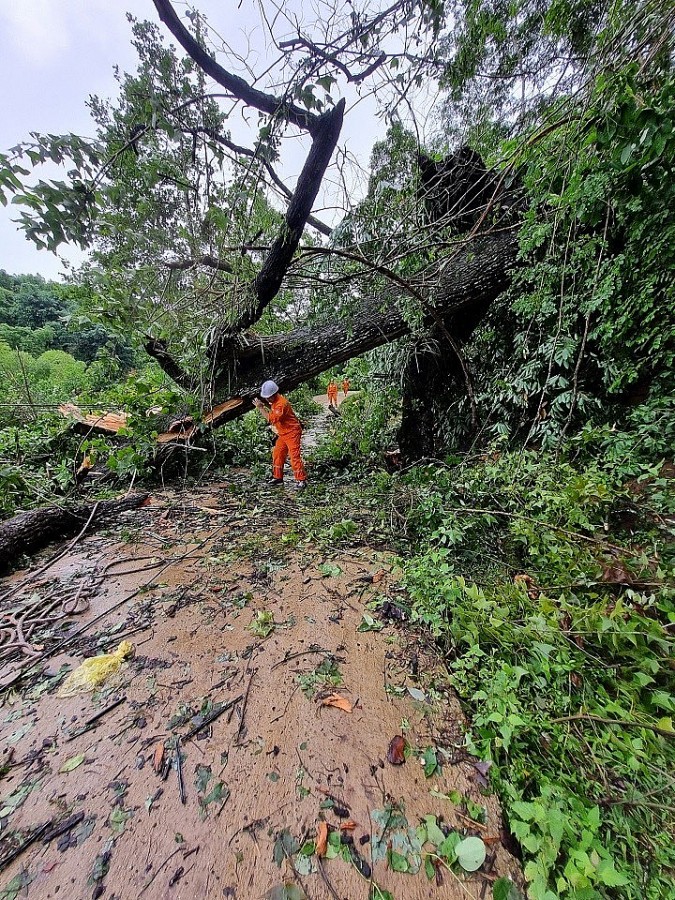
<point>464,290</point>
<point>206,260</point>
<point>325,131</point>
<point>271,275</point>
<point>157,349</point>
<point>241,89</point>
<point>32,530</point>
<point>311,220</point>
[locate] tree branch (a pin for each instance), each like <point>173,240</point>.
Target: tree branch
<point>332,58</point>
<point>246,151</point>
<point>463,293</point>
<point>158,350</point>
<point>241,89</point>
<point>206,260</point>
<point>268,281</point>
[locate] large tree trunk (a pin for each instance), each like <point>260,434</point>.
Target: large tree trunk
<point>426,371</point>
<point>464,289</point>
<point>29,531</point>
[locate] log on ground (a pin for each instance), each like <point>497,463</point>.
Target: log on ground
<point>29,531</point>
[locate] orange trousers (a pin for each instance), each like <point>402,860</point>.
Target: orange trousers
<point>288,444</point>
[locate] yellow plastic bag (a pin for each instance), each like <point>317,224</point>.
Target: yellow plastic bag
<point>95,671</point>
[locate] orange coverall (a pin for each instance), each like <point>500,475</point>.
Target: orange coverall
<point>289,431</point>
<point>332,393</point>
<point>345,387</point>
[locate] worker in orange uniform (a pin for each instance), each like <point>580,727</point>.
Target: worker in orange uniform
<point>279,413</point>
<point>332,393</point>
<point>345,386</point>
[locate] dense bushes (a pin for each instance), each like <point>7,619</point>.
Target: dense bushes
<point>549,587</point>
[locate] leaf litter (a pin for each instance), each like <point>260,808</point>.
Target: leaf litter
<point>402,846</point>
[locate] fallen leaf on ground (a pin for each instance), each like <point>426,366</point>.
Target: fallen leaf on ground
<point>616,573</point>
<point>158,758</point>
<point>72,763</point>
<point>263,625</point>
<point>348,826</point>
<point>378,576</point>
<point>338,702</point>
<point>396,751</point>
<point>417,694</point>
<point>529,584</point>
<point>482,769</point>
<point>321,839</point>
<point>285,892</point>
<point>471,853</point>
<point>368,623</point>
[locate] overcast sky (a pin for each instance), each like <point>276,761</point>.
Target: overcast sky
<point>55,53</point>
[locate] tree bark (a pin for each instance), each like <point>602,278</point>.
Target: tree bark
<point>29,531</point>
<point>464,289</point>
<point>269,279</point>
<point>423,378</point>
<point>266,103</point>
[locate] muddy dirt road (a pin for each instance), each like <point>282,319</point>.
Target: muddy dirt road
<point>251,725</point>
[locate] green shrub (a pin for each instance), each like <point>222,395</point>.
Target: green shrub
<point>364,429</point>
<point>587,637</point>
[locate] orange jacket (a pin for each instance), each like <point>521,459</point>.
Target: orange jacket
<point>345,386</point>
<point>282,416</point>
<point>332,390</point>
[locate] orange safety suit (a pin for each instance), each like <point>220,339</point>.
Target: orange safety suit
<point>332,392</point>
<point>345,387</point>
<point>289,431</point>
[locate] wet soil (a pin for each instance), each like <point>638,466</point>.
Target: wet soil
<point>263,776</point>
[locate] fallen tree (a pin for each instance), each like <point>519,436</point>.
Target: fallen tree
<point>463,290</point>
<point>30,531</point>
<point>213,351</point>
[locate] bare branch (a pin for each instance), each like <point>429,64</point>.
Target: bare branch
<point>207,260</point>
<point>271,275</point>
<point>333,59</point>
<point>266,103</point>
<point>252,154</point>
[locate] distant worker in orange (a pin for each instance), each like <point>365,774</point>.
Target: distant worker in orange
<point>332,393</point>
<point>279,413</point>
<point>345,386</point>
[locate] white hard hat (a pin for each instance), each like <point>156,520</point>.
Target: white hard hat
<point>269,389</point>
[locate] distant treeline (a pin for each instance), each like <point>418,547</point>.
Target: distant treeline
<point>38,315</point>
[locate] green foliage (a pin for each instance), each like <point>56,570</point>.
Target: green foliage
<point>588,636</point>
<point>38,315</point>
<point>364,429</point>
<point>246,441</point>
<point>586,329</point>
<point>303,403</point>
<point>40,454</point>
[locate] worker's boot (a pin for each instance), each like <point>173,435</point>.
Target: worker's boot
<point>300,485</point>
<point>275,482</point>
